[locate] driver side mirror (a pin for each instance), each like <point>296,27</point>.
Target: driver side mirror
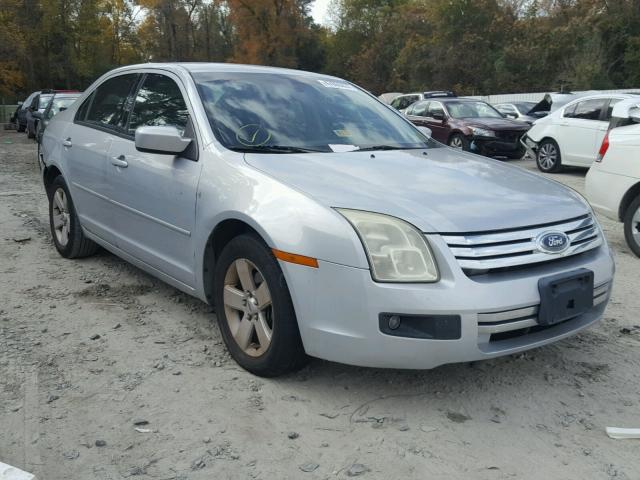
<point>165,140</point>
<point>510,115</point>
<point>20,104</point>
<point>437,115</point>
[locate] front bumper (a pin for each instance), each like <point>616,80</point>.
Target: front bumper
<point>529,145</point>
<point>338,309</point>
<point>496,147</point>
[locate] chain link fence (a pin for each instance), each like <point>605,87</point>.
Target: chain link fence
<point>6,112</point>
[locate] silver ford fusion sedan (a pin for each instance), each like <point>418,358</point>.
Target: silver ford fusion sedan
<point>318,221</point>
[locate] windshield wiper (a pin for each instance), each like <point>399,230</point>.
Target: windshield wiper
<point>276,149</point>
<point>386,147</point>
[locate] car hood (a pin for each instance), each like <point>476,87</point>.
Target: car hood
<point>495,123</point>
<point>443,191</point>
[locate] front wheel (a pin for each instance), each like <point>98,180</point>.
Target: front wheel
<point>632,226</point>
<point>549,159</point>
<point>254,309</point>
<point>66,231</point>
<point>457,140</point>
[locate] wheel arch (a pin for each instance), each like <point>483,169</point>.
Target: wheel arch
<point>627,199</point>
<point>223,232</point>
<point>49,175</point>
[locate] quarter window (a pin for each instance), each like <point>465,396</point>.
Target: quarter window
<point>109,103</point>
<point>158,102</point>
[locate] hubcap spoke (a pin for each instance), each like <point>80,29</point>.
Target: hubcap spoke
<point>263,296</point>
<point>234,298</point>
<point>58,220</point>
<point>244,274</point>
<point>263,332</point>
<point>244,333</point>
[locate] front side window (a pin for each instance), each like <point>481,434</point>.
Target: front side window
<point>158,102</point>
<point>472,110</point>
<point>436,110</point>
<point>266,111</point>
<point>108,106</point>
<point>589,109</point>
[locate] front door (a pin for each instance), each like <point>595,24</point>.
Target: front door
<point>155,194</point>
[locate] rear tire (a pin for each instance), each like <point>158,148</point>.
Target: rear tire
<point>254,309</point>
<point>548,158</point>
<point>632,226</point>
<point>66,231</point>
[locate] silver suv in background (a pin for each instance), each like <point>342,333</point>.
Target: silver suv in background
<point>318,221</point>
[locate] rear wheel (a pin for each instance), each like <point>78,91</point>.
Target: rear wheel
<point>632,226</point>
<point>66,231</point>
<point>549,159</point>
<point>254,309</point>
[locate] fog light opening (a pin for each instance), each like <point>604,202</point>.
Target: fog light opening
<point>394,322</point>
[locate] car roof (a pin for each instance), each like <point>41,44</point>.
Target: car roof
<point>205,67</point>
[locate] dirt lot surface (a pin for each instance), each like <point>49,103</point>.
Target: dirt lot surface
<point>107,373</point>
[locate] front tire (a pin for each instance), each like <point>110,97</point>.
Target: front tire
<point>19,127</point>
<point>458,141</point>
<point>549,159</point>
<point>632,226</point>
<point>254,309</point>
<point>66,231</point>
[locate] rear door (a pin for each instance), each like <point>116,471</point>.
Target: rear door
<point>579,130</point>
<point>155,194</point>
<point>97,122</point>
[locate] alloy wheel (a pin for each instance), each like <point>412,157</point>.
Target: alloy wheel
<point>456,142</point>
<point>247,306</point>
<point>635,227</point>
<point>548,156</point>
<point>61,217</point>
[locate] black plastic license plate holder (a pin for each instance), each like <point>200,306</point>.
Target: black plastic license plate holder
<point>565,296</point>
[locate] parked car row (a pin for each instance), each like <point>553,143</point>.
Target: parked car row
<point>318,221</point>
<point>39,108</point>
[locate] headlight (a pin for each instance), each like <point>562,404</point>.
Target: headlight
<point>482,132</point>
<point>396,250</point>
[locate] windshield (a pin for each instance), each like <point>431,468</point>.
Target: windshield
<point>58,103</point>
<point>524,107</point>
<point>472,110</point>
<point>276,113</point>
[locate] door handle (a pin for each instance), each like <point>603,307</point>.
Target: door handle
<point>119,161</point>
<point>67,143</point>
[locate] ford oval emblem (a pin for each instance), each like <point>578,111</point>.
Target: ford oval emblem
<point>552,242</point>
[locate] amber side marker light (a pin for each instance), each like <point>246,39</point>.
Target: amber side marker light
<point>295,258</point>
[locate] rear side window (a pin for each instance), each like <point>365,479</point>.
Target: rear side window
<point>109,103</point>
<point>612,102</point>
<point>158,102</point>
<point>589,109</point>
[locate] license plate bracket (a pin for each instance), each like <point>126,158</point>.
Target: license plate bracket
<point>565,296</point>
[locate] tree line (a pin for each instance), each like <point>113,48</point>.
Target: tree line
<point>470,46</point>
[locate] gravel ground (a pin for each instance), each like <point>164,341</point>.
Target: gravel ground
<point>107,373</point>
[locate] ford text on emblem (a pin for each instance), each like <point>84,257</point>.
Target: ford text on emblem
<point>552,242</point>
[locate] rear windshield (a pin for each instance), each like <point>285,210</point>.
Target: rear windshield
<point>256,111</point>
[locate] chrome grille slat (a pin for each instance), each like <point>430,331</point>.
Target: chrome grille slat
<point>500,237</point>
<point>507,320</point>
<point>514,248</point>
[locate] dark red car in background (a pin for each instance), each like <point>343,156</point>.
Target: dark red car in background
<point>471,125</point>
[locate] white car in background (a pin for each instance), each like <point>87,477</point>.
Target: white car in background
<point>613,182</point>
<point>571,135</point>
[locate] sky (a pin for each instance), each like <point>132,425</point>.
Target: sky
<point>319,10</point>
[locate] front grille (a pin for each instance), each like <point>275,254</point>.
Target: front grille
<point>521,320</point>
<point>484,252</point>
<point>510,137</point>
